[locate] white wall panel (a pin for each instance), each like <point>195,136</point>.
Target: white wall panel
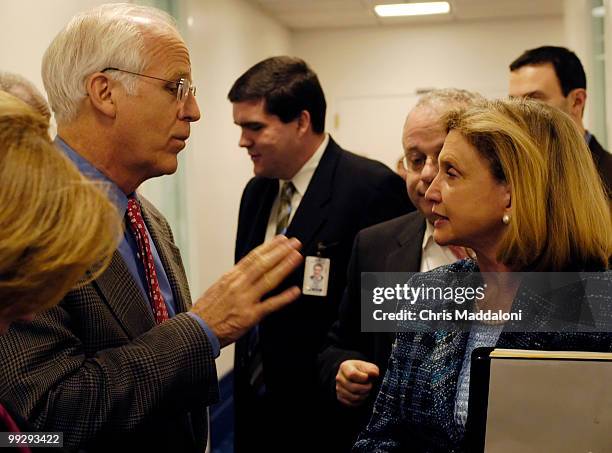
<point>377,68</point>
<point>225,38</point>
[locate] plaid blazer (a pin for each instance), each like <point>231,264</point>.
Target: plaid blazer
<point>414,410</point>
<point>97,368</point>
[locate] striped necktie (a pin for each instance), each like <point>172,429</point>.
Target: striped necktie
<point>254,360</point>
<point>284,207</point>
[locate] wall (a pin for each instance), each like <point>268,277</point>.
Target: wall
<point>28,26</point>
<point>225,38</point>
<point>578,35</point>
<point>376,69</point>
<point>26,29</point>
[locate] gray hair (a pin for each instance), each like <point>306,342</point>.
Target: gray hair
<point>25,90</point>
<point>111,35</point>
<point>442,99</point>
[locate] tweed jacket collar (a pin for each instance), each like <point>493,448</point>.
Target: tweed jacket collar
<point>126,300</point>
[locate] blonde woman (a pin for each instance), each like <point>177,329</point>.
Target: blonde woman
<point>54,225</point>
<point>23,89</point>
<point>515,185</point>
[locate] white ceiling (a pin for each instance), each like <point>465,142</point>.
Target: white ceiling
<point>308,14</point>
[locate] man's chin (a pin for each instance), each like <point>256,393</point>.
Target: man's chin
<point>170,166</point>
<point>263,173</point>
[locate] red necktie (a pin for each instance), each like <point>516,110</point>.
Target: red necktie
<point>137,226</point>
<point>11,426</point>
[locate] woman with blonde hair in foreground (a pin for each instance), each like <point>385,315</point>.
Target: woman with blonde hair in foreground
<point>54,224</point>
<point>517,185</point>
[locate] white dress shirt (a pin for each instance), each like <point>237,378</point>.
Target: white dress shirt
<point>301,180</point>
<point>432,254</point>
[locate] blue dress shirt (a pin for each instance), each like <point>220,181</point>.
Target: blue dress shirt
<point>128,247</point>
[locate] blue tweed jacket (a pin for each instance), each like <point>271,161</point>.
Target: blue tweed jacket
<point>414,410</point>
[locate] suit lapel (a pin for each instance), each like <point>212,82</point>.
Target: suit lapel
<point>122,293</point>
<point>124,298</point>
<point>267,193</point>
<point>314,207</point>
<point>171,261</point>
<point>596,149</point>
<point>407,257</point>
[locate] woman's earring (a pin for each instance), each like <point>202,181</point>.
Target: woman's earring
<point>506,219</point>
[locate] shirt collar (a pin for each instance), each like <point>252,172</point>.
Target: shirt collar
<point>304,175</point>
<point>587,137</point>
<point>428,236</point>
<point>115,194</point>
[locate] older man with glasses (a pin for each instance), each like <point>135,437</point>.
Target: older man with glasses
<point>126,362</point>
<point>353,364</point>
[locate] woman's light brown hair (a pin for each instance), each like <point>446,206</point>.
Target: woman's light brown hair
<point>560,213</point>
<point>54,224</point>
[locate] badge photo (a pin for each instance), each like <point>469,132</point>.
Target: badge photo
<point>316,276</point>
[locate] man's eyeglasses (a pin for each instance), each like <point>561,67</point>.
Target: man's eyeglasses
<point>182,86</point>
<point>415,162</point>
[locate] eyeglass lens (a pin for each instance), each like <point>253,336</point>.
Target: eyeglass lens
<point>184,87</point>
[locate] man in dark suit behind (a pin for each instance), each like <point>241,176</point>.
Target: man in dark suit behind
<point>308,186</point>
<point>353,363</point>
<point>555,76</point>
<point>125,362</point>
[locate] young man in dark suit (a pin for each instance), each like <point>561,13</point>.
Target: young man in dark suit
<point>305,186</point>
<point>353,363</point>
<point>555,76</point>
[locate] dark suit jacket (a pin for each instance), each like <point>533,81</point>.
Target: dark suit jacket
<point>414,410</point>
<point>392,246</point>
<point>346,193</point>
<point>97,368</point>
<point>603,162</point>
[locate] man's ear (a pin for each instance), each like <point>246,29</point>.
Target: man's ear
<point>100,92</point>
<point>304,122</point>
<point>577,101</point>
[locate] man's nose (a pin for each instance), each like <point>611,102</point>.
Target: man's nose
<point>245,141</point>
<point>189,111</point>
<point>430,170</point>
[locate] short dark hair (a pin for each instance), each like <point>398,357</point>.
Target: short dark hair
<point>567,65</point>
<point>287,85</point>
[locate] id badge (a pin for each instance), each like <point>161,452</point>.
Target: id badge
<point>316,276</point>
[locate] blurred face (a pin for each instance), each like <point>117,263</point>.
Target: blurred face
<point>539,82</point>
<point>422,140</point>
<point>152,126</point>
<point>272,145</point>
<point>467,199</point>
